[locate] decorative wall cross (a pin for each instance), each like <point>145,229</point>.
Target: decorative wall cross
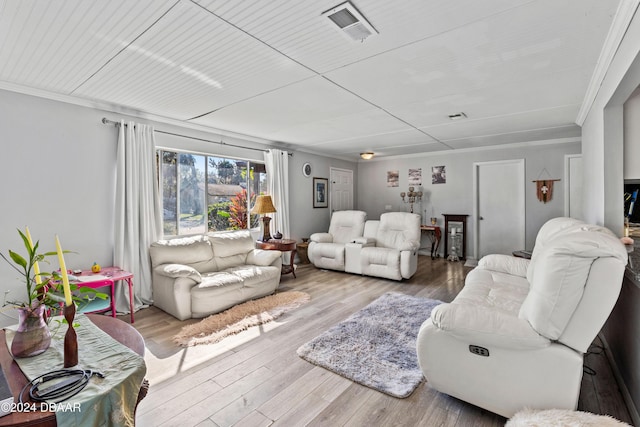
<point>544,189</point>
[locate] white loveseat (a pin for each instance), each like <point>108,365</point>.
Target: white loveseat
<point>515,335</point>
<point>200,275</point>
<point>381,248</point>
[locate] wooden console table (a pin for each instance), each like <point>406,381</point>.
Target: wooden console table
<point>435,235</point>
<point>283,245</point>
<point>122,332</point>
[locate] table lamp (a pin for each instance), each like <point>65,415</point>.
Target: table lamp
<point>263,206</point>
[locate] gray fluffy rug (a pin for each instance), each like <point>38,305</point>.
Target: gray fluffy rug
<point>376,346</point>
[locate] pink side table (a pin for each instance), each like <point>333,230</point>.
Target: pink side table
<point>112,274</point>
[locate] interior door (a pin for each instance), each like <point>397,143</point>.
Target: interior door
<point>341,189</point>
<point>500,207</point>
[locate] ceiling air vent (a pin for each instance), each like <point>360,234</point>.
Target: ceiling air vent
<point>350,23</point>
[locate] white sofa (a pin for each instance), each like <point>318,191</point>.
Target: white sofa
<point>515,335</point>
<point>381,248</point>
<point>200,275</point>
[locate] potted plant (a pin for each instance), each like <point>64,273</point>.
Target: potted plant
<point>43,298</point>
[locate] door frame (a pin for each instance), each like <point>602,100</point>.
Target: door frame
<point>476,200</point>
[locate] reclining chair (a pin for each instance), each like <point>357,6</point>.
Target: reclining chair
<point>390,246</point>
<point>326,250</point>
<point>515,335</point>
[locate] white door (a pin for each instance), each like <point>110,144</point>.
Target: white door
<point>573,185</point>
<point>341,189</point>
<point>499,207</point>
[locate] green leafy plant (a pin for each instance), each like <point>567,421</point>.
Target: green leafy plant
<point>44,287</point>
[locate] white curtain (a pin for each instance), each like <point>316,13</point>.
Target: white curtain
<point>277,164</point>
<point>137,211</point>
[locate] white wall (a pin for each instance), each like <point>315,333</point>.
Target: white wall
<point>631,156</point>
<point>603,135</point>
<point>305,219</point>
<point>58,177</point>
<point>456,196</point>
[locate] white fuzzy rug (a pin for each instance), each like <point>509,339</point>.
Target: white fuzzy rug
<point>376,346</point>
<point>561,418</point>
<point>239,318</point>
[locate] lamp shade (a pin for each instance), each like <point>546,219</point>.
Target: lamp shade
<point>263,205</point>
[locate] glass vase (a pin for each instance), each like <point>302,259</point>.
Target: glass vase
<point>33,336</point>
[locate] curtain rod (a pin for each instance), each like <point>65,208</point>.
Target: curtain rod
<point>221,142</point>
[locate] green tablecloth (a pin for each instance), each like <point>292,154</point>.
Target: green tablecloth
<point>103,402</point>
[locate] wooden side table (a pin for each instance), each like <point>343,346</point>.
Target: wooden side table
<point>435,235</point>
<point>283,245</point>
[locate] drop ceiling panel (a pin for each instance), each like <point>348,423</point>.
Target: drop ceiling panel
<point>530,120</point>
<point>310,111</point>
<point>507,48</point>
<point>299,31</point>
<point>377,143</point>
<point>499,100</point>
<point>189,63</point>
<point>58,44</point>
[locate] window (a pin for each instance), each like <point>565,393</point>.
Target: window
<point>207,193</point>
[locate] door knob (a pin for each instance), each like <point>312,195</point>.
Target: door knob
<point>481,218</point>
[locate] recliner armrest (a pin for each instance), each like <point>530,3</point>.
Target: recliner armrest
<point>505,264</point>
<point>321,238</point>
<point>486,327</point>
<point>365,241</point>
<point>178,270</point>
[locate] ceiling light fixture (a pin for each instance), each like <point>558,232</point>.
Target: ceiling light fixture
<point>457,116</point>
<point>367,155</point>
<point>351,23</point>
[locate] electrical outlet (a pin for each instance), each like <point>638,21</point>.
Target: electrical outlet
<point>388,207</point>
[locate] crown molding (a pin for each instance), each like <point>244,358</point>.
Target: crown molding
<point>119,109</point>
<point>621,21</point>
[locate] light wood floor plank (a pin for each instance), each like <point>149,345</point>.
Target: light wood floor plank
<point>256,378</point>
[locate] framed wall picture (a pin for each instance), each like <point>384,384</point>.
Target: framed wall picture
<point>320,192</point>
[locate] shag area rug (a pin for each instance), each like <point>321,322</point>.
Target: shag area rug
<point>239,318</point>
<point>561,418</point>
<point>376,346</point>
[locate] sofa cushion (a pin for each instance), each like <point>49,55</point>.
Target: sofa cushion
<point>262,257</point>
<point>229,243</point>
<point>399,230</point>
<point>346,225</point>
<point>561,272</point>
<point>178,270</point>
<point>253,275</point>
<point>185,250</point>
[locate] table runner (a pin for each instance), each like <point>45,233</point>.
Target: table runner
<point>103,402</point>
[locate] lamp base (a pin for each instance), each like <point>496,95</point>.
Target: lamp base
<point>266,235</point>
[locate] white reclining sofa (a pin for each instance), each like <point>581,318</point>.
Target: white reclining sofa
<point>200,275</point>
<point>381,248</point>
<point>515,336</point>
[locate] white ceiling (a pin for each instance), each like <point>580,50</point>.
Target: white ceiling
<point>280,71</point>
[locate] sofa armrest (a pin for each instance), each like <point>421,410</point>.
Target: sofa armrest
<point>321,238</point>
<point>505,264</point>
<point>262,257</point>
<point>178,270</point>
<point>409,245</point>
<point>485,326</point>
